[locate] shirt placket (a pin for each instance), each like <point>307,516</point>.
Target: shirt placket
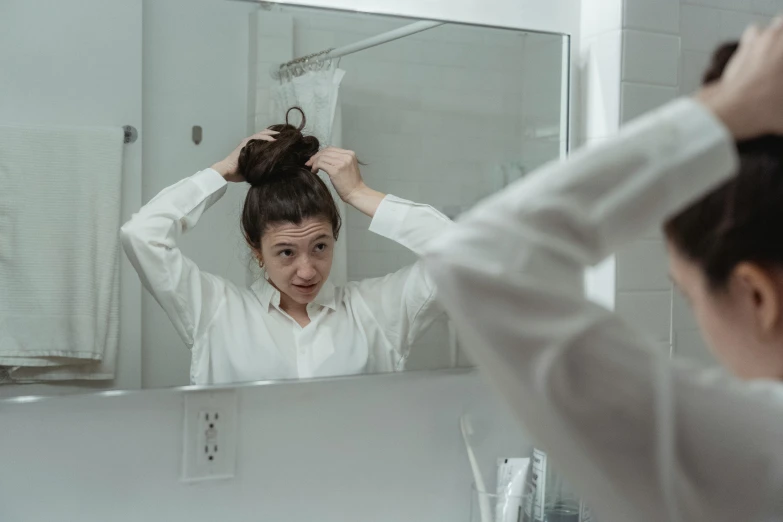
<point>303,337</point>
<point>302,363</point>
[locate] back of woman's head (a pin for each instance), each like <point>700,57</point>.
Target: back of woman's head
<point>282,188</point>
<point>740,220</point>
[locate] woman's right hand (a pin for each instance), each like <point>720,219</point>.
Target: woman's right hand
<point>749,96</point>
<point>228,166</point>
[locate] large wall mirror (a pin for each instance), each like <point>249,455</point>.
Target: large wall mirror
<point>112,114</point>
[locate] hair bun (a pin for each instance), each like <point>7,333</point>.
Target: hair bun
<point>266,161</point>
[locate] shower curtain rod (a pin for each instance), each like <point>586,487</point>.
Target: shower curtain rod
<point>373,41</point>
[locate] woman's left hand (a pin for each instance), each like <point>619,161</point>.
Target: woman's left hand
<point>228,167</point>
<point>343,169</point>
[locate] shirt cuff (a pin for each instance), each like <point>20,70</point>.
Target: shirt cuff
<point>389,217</point>
<point>700,152</point>
<point>209,181</point>
<point>701,126</point>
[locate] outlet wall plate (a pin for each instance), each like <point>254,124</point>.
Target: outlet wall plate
<point>209,435</point>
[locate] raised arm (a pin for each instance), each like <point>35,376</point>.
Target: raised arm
<point>640,438</point>
<point>403,302</point>
<point>343,169</point>
<point>189,296</point>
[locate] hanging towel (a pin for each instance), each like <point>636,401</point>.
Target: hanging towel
<point>59,251</point>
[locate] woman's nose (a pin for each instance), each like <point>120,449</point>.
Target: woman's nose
<point>306,270</point>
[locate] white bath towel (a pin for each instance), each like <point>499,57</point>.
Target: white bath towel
<point>59,253</point>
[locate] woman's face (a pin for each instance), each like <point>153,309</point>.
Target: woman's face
<point>742,323</point>
<point>298,258</point>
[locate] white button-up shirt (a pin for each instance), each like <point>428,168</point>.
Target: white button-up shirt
<point>241,334</point>
<point>643,439</point>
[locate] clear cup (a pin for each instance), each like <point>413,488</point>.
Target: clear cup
<point>492,507</point>
<point>563,511</point>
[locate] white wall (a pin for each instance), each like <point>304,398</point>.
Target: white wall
<point>383,448</point>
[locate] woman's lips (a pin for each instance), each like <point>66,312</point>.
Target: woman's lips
<point>306,289</point>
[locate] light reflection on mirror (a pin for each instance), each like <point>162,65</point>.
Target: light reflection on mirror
<point>439,118</point>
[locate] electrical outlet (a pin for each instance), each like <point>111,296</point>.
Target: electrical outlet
<point>209,442</point>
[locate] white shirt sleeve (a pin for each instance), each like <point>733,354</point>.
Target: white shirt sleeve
<point>403,302</point>
<point>641,438</point>
<point>189,296</point>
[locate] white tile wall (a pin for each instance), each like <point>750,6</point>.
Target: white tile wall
<point>664,347</point>
<point>650,58</point>
<point>700,28</point>
<point>768,7</point>
<point>683,317</point>
<point>662,16</point>
<point>734,5</point>
<point>650,312</point>
<point>642,266</point>
<point>655,232</point>
<point>539,152</point>
<point>687,339</point>
<point>734,23</point>
<point>694,64</point>
<point>690,346</point>
<point>639,98</point>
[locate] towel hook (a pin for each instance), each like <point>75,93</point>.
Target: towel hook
<point>130,133</point>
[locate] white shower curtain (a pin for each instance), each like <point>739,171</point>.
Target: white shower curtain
<point>316,93</point>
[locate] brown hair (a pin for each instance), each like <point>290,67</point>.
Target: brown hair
<point>282,188</point>
<point>741,219</point>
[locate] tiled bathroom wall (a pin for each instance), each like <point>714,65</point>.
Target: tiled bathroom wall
<point>638,55</point>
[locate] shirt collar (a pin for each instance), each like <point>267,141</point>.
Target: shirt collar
<point>326,296</point>
<point>268,295</point>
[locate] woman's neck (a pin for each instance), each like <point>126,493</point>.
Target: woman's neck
<point>297,311</point>
<point>289,305</point>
